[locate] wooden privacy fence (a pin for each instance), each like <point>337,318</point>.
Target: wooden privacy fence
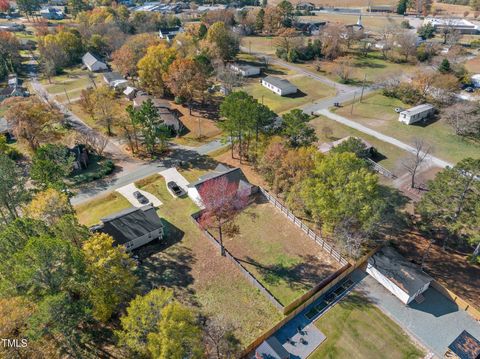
<point>310,233</point>
<point>242,269</point>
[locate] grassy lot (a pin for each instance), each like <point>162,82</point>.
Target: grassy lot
<point>473,65</point>
<point>90,213</point>
<point>277,252</point>
<point>371,23</point>
<point>309,91</point>
<point>357,329</point>
<point>261,44</point>
<point>377,113</point>
<point>72,81</point>
<point>190,265</point>
<point>390,155</point>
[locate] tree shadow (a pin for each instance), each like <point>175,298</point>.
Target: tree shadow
<point>426,122</point>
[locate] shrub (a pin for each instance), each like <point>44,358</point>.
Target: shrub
<point>105,167</point>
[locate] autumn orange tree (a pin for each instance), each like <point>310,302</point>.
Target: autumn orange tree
<point>154,66</point>
<point>186,80</point>
<point>125,59</point>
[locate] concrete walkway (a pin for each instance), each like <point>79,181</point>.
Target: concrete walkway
<point>345,121</point>
<point>128,190</point>
<point>435,322</point>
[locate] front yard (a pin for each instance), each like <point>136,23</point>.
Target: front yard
<point>377,112</point>
<point>90,213</point>
<point>278,253</point>
<point>356,328</point>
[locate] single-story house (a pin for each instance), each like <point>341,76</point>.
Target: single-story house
<point>403,279</point>
<point>305,6</point>
<point>271,348</point>
<point>92,63</point>
<point>140,98</point>
<point>280,86</point>
<point>327,146</point>
<point>133,227</point>
<point>51,13</point>
<point>381,8</point>
<point>463,26</point>
<point>465,346</point>
<point>114,80</point>
<point>130,92</point>
<point>233,175</point>
<point>245,70</point>
<point>11,26</point>
<point>310,28</point>
<point>169,33</point>
<point>167,116</point>
<point>6,129</point>
<point>476,80</point>
<point>416,113</point>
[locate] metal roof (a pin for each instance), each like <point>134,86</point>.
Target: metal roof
<point>418,109</point>
<point>89,59</point>
<point>278,82</point>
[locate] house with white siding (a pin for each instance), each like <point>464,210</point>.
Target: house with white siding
<point>280,86</point>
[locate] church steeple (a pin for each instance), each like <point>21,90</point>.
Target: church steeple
<point>359,21</point>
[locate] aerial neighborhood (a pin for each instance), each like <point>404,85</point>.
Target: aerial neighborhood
<point>272,179</point>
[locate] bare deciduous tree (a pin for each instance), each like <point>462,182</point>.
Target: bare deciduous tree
<point>406,43</point>
<point>421,152</point>
<point>464,117</point>
<point>94,141</point>
<point>220,341</point>
<point>344,68</point>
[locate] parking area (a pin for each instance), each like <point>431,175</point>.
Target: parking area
<point>172,175</point>
<point>435,322</point>
<point>128,192</point>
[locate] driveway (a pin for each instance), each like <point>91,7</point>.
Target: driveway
<point>435,322</point>
<point>127,192</point>
<point>171,174</point>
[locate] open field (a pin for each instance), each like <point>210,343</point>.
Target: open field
<point>277,252</point>
<point>263,44</point>
<point>371,23</point>
<point>200,276</point>
<point>355,328</point>
<point>377,113</point>
<point>75,79</point>
<point>473,65</point>
<point>390,155</point>
<point>449,267</point>
<point>90,213</point>
<point>309,90</point>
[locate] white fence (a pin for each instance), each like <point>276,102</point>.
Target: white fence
<point>317,238</point>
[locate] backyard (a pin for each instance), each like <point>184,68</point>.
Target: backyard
<point>356,328</point>
<point>278,253</point>
<point>377,112</point>
<point>90,213</point>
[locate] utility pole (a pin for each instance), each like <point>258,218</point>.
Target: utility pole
<point>354,97</point>
<point>363,87</point>
<point>66,94</point>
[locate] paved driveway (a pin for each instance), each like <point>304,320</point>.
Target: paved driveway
<point>127,192</point>
<point>436,322</point>
<point>171,174</point>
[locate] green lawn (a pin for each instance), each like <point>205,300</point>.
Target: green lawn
<point>90,213</point>
<point>72,79</point>
<point>277,252</point>
<point>377,113</point>
<point>309,91</point>
<point>197,272</point>
<point>390,155</point>
<point>357,329</point>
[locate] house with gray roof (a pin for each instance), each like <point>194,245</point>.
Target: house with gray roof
<point>92,63</point>
<point>245,70</point>
<point>417,113</point>
<point>133,227</point>
<point>280,86</point>
<point>403,279</point>
<point>233,175</point>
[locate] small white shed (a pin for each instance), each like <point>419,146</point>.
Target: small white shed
<point>280,86</point>
<point>403,279</point>
<point>416,113</point>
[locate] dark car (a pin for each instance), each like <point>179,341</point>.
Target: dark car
<point>175,188</point>
<point>469,89</point>
<point>141,198</point>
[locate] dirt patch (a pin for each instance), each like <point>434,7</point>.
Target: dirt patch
<point>449,267</point>
<point>252,176</point>
<point>201,123</point>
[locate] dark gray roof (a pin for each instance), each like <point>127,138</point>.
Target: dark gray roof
<point>466,346</point>
<point>278,82</point>
<point>131,223</point>
<point>272,349</point>
<point>234,175</point>
<point>406,275</point>
<point>112,76</point>
<point>89,59</point>
<point>168,117</point>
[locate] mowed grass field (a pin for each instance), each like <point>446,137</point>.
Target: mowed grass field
<point>371,23</point>
<point>309,91</point>
<point>280,255</point>
<point>355,328</point>
<point>390,156</point>
<point>197,272</point>
<point>377,112</point>
<point>90,213</point>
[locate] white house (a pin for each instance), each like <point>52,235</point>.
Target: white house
<point>403,279</point>
<point>245,70</point>
<point>461,25</point>
<point>133,227</point>
<point>476,80</point>
<point>115,80</point>
<point>233,175</point>
<point>416,113</point>
<point>279,86</point>
<point>92,63</point>
<point>169,33</point>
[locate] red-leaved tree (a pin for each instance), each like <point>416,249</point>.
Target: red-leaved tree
<point>222,201</point>
<point>4,5</point>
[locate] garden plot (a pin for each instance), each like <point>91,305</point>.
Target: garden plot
<point>278,253</point>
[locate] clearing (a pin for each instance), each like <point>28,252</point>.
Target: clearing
<point>377,112</point>
<point>90,213</point>
<point>355,328</point>
<point>280,255</point>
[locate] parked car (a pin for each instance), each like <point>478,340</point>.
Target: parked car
<point>140,197</point>
<point>469,89</point>
<point>175,188</point>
